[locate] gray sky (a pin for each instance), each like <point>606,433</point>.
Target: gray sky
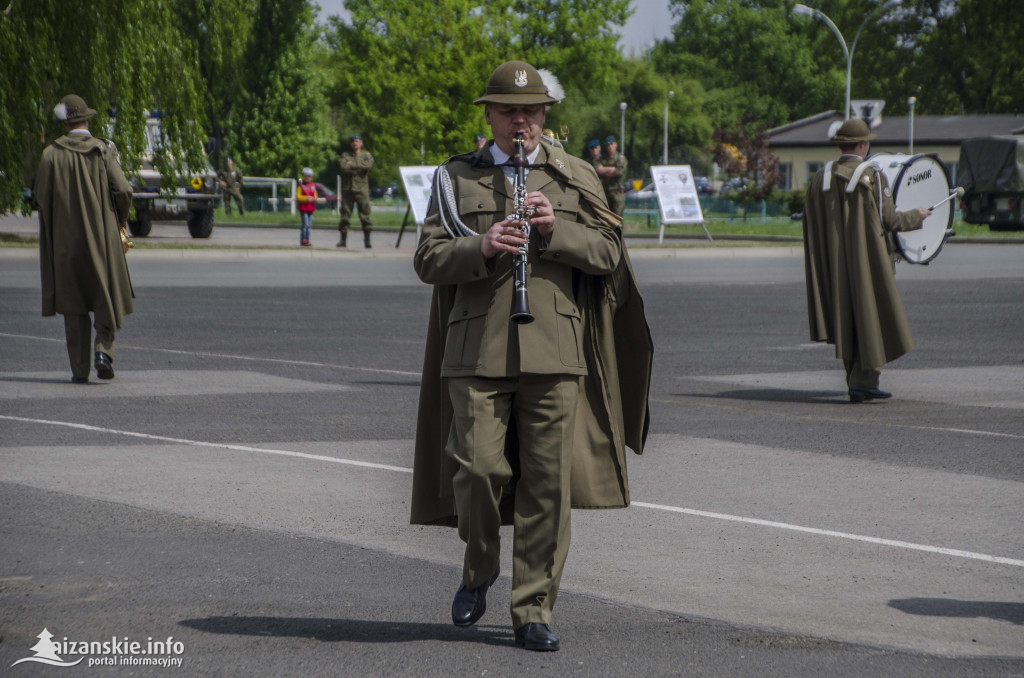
<point>651,21</point>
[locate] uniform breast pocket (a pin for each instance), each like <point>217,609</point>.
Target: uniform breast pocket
<point>566,205</point>
<point>479,212</point>
<point>570,332</point>
<point>465,333</point>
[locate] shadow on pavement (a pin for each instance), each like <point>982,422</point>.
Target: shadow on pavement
<point>349,630</point>
<point>948,607</point>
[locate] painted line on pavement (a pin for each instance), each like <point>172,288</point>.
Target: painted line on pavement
<point>832,533</point>
<point>200,443</point>
<point>205,354</point>
<point>657,507</point>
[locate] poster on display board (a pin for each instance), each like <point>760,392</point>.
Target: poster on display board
<point>677,194</point>
<point>678,202</point>
<point>418,181</point>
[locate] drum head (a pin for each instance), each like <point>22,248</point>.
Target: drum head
<point>919,181</point>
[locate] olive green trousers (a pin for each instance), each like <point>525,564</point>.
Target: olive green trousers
<point>544,410</point>
<point>78,334</point>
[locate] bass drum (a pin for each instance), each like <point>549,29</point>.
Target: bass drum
<point>919,181</point>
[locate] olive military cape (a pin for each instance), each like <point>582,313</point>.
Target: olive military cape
<point>852,299</point>
<point>613,410</point>
<point>83,197</point>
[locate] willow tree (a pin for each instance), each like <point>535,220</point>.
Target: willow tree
<point>124,57</point>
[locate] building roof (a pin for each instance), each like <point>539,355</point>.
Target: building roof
<point>894,130</point>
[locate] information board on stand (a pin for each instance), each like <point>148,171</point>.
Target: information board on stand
<point>678,201</point>
<point>418,181</point>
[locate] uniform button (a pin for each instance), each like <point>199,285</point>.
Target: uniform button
<point>480,206</point>
<point>476,274</point>
<point>465,313</point>
<point>559,204</point>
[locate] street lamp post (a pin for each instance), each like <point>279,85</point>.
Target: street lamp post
<point>804,10</point>
<point>622,125</point>
<point>910,102</point>
<point>665,154</point>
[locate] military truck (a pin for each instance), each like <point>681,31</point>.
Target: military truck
<point>992,175</point>
<point>193,198</point>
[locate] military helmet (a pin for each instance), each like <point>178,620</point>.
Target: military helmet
<point>853,131</point>
<point>72,109</point>
<point>516,82</point>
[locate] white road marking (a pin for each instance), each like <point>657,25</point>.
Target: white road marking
<point>657,507</point>
<point>832,533</point>
<point>206,354</point>
<point>200,443</point>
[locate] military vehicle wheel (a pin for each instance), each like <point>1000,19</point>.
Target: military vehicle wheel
<point>200,223</point>
<point>142,224</point>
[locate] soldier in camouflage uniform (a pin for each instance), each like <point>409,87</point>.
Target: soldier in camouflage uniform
<point>613,172</point>
<point>355,188</point>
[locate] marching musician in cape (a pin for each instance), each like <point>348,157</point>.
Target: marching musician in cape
<point>518,421</point>
<point>852,300</point>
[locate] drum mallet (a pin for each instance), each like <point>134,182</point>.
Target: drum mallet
<point>957,193</point>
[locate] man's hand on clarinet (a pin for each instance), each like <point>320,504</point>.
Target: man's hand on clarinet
<point>503,236</point>
<point>542,214</point>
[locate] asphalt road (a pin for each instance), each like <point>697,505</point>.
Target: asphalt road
<point>242,485</point>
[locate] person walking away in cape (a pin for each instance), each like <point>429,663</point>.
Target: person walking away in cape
<point>612,171</point>
<point>355,189</point>
<point>83,199</point>
<point>231,185</point>
<point>852,300</point>
<point>306,197</point>
<point>518,420</point>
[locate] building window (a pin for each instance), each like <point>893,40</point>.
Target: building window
<point>812,169</point>
<point>785,176</point>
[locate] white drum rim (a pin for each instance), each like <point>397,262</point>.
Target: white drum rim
<point>894,186</point>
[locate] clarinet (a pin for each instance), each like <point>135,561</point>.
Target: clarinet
<point>520,304</point>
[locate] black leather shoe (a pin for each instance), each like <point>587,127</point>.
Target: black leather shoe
<point>537,637</point>
<point>79,380</point>
<point>104,368</point>
<point>859,395</point>
<point>470,604</point>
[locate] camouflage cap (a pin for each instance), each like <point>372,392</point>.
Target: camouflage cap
<point>516,82</point>
<point>72,109</point>
<point>853,131</point>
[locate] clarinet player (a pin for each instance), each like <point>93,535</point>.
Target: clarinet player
<point>519,421</point>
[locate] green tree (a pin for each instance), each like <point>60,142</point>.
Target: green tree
<point>407,72</point>
<point>281,122</point>
<point>219,32</point>
<point>645,92</point>
<point>750,57</point>
<point>949,56</point>
<point>122,56</point>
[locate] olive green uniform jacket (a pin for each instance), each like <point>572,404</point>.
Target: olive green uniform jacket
<point>617,351</point>
<point>233,178</point>
<point>615,185</point>
<point>354,171</point>
<point>83,197</point>
<point>852,300</point>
